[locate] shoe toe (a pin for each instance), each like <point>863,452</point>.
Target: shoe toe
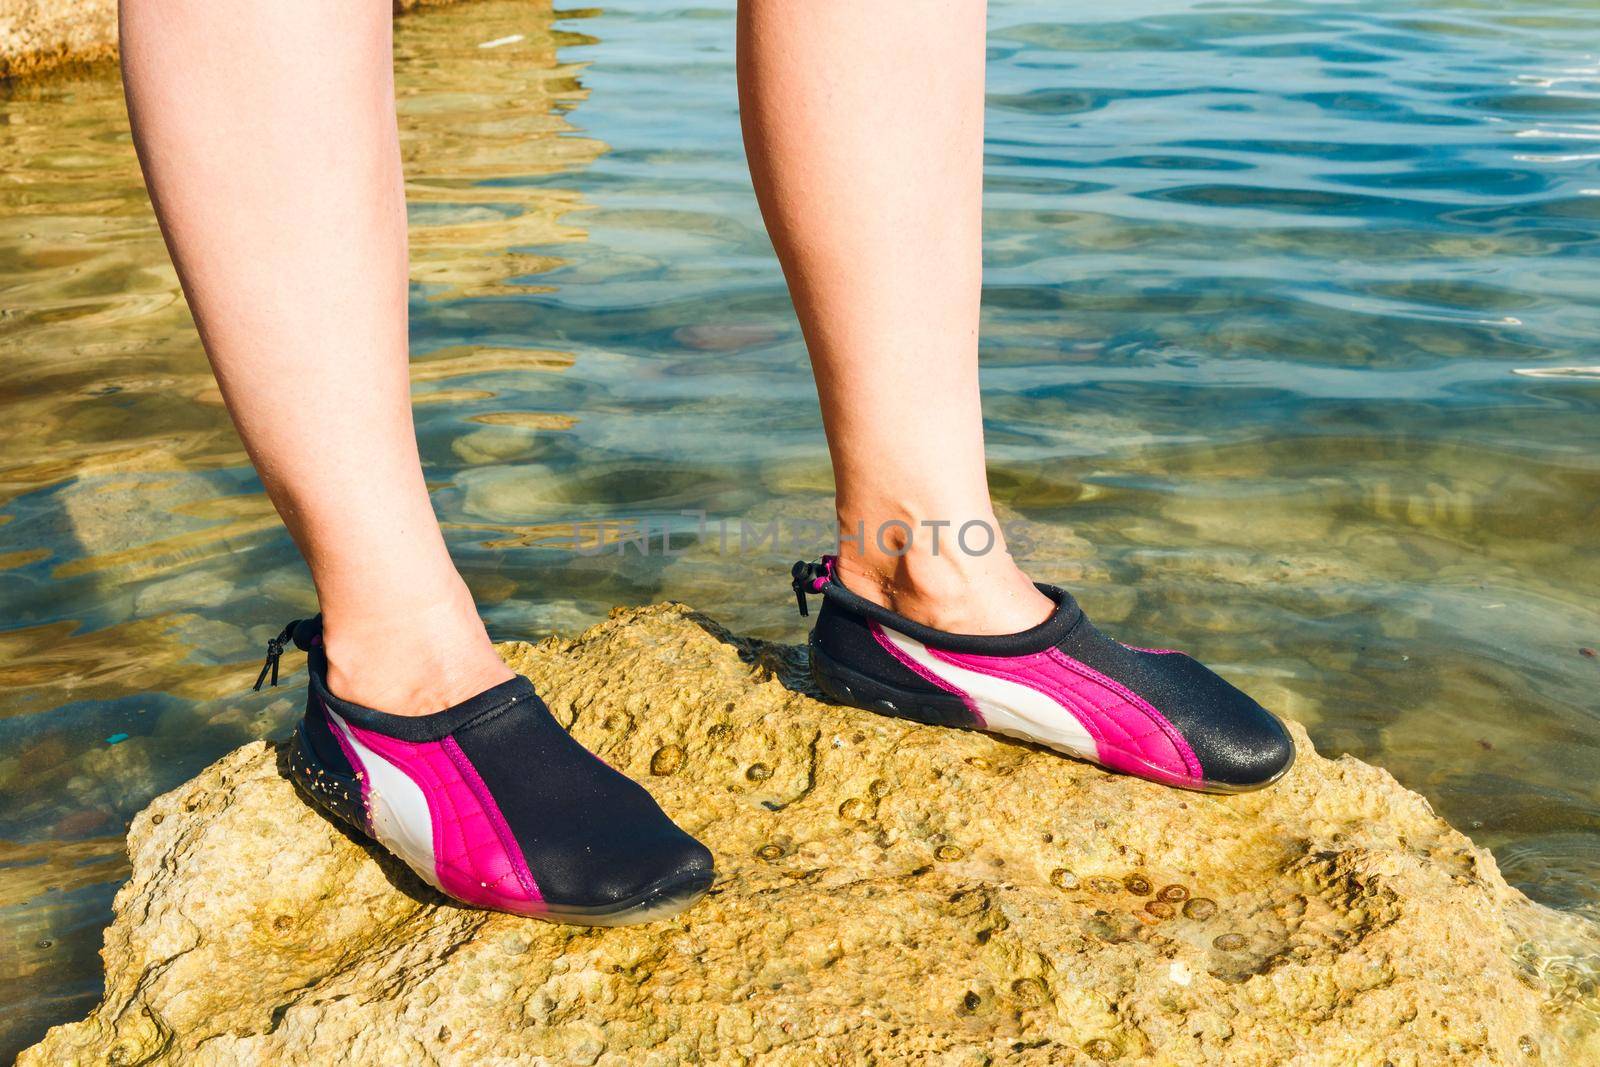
<point>667,863</point>
<point>1240,744</point>
<point>1247,756</point>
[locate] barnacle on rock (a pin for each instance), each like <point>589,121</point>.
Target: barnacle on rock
<point>667,760</point>
<point>1062,878</point>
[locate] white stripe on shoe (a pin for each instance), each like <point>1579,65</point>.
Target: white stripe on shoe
<point>1007,707</point>
<point>401,819</point>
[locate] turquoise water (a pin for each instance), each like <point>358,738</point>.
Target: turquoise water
<point>1290,314</point>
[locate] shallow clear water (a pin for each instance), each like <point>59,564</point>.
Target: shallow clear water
<point>1288,307</point>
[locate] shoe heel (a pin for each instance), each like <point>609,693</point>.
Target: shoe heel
<point>337,794</point>
<point>843,685</point>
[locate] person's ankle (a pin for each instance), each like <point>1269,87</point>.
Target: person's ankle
<point>944,584</point>
<point>411,662</point>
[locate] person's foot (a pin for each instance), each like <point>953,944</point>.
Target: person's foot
<point>937,578</point>
<point>411,655</point>
<point>1154,713</point>
<point>493,803</point>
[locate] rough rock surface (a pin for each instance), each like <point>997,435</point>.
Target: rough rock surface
<point>40,35</point>
<point>886,892</point>
<point>37,35</point>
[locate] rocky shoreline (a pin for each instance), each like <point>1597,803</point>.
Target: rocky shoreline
<point>887,892</point>
<point>38,36</point>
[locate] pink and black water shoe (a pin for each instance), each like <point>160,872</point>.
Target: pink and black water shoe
<point>493,803</point>
<point>1153,713</point>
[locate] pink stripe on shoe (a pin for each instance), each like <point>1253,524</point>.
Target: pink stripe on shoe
<point>1130,734</point>
<point>507,840</point>
<point>1188,764</point>
<point>476,859</point>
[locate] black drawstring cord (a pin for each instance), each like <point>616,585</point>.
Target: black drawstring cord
<point>809,578</point>
<point>275,649</point>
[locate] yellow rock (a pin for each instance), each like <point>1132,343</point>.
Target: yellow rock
<point>37,35</point>
<point>887,892</point>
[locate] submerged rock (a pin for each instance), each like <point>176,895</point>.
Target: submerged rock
<point>886,891</point>
<point>37,35</point>
<point>41,35</point>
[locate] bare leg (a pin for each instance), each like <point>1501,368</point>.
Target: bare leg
<point>268,138</point>
<point>864,127</point>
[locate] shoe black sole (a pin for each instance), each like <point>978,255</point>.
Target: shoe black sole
<point>337,794</point>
